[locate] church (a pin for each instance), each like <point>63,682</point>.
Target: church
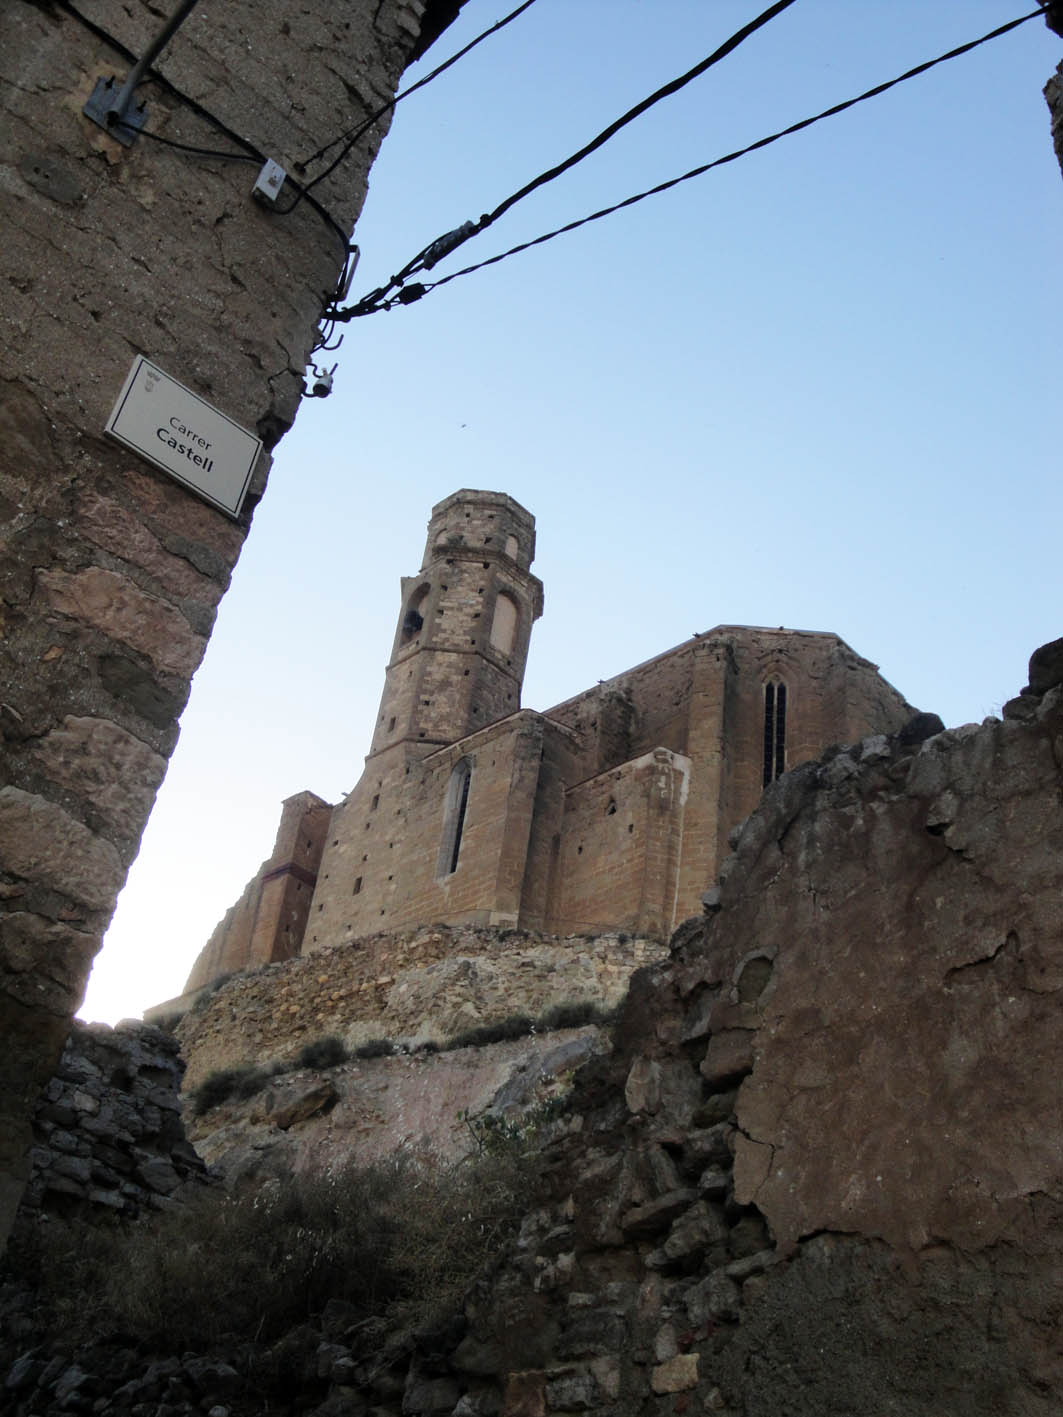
<point>608,812</point>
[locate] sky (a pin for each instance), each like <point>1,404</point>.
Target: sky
<point>818,387</point>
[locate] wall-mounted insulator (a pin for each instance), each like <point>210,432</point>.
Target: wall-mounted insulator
<point>268,183</point>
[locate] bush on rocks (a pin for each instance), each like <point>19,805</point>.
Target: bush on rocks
<point>397,1244</point>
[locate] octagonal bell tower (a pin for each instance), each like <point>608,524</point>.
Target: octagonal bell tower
<point>464,625</point>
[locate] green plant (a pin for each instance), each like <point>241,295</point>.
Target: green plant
<point>327,1052</point>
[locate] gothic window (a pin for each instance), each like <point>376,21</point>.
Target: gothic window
<point>774,730</point>
<point>414,618</point>
<point>504,624</point>
<point>455,804</point>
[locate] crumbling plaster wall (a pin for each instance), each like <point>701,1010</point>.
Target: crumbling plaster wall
<point>111,573</point>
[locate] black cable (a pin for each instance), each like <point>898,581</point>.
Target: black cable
<point>353,134</point>
<point>189,148</point>
<point>197,108</point>
<point>414,292</point>
<point>436,250</point>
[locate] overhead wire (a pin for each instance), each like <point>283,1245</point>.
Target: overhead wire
<point>434,252</point>
<point>352,135</point>
<point>382,300</point>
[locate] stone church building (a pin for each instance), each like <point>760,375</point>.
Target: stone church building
<point>608,812</point>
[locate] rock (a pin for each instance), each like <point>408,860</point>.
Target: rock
<point>679,1374</point>
<point>692,1234</point>
<point>919,728</point>
<point>23,1373</point>
<point>572,1392</point>
<point>643,1221</point>
<point>729,1056</point>
<point>426,1397</point>
<point>715,1297</point>
<point>1046,667</point>
<point>709,1146</point>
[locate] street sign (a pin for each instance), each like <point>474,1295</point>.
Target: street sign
<point>184,436</point>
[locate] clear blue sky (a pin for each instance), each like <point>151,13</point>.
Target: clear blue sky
<point>818,387</point>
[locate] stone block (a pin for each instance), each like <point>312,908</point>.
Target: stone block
<point>679,1374</point>
<point>43,842</point>
<point>119,609</point>
<point>95,758</point>
<point>644,1221</point>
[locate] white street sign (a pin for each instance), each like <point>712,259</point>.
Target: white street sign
<point>182,434</point>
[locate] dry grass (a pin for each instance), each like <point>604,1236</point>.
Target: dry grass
<point>399,1242</point>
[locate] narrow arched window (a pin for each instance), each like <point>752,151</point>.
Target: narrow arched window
<point>504,624</point>
<point>774,731</point>
<point>413,619</point>
<point>454,808</point>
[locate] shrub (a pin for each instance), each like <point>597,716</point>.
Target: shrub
<point>375,1048</point>
<point>574,1013</point>
<point>327,1052</point>
<point>223,1083</point>
<point>515,1026</point>
<point>400,1242</point>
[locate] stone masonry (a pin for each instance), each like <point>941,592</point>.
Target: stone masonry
<point>107,1130</point>
<point>110,572</point>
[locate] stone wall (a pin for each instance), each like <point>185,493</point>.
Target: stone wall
<point>111,573</point>
<point>108,1138</point>
<point>268,922</point>
<point>822,1170</point>
<point>412,987</point>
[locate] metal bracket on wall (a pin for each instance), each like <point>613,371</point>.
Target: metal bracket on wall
<point>104,108</point>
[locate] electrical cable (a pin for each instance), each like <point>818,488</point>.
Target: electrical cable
<point>352,135</point>
<point>377,300</point>
<point>253,153</point>
<point>433,253</point>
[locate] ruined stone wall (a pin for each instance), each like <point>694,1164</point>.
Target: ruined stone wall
<point>822,1170</point>
<point>111,572</point>
<point>108,1137</point>
<point>413,987</point>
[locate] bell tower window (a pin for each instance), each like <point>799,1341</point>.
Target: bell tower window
<point>413,620</point>
<point>504,624</point>
<point>774,730</point>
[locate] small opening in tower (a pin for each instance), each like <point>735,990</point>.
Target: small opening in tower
<point>391,726</point>
<point>466,674</point>
<point>365,858</point>
<point>610,811</point>
<point>357,885</point>
<point>630,827</point>
<point>375,802</point>
<point>487,565</point>
<point>579,850</point>
<point>487,541</point>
